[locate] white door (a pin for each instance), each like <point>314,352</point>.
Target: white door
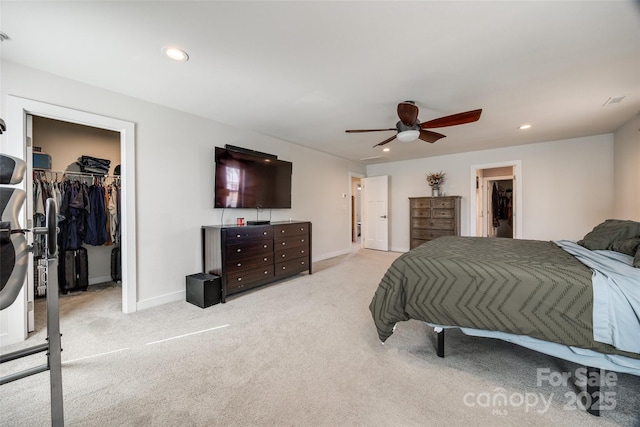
<point>375,200</point>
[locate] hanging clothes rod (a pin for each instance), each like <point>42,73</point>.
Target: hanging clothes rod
<point>82,174</point>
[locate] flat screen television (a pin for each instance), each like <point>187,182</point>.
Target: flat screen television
<point>249,179</point>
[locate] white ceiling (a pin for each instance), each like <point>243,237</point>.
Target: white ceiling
<point>305,71</point>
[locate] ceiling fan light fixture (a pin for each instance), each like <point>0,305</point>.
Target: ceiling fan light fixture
<point>408,135</point>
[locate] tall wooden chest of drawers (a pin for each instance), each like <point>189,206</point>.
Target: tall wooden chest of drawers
<point>253,255</point>
<point>431,217</point>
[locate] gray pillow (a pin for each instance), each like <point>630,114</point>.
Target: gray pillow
<point>636,259</point>
<point>612,230</point>
<point>627,246</point>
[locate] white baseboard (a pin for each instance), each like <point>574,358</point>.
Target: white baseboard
<point>164,299</point>
<point>102,279</point>
<point>332,255</point>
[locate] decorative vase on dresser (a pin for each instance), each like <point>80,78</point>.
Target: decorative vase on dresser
<point>432,217</point>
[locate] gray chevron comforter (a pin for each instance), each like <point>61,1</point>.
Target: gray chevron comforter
<point>523,287</point>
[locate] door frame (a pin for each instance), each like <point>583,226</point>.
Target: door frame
<point>517,196</point>
<point>17,112</point>
<point>353,194</point>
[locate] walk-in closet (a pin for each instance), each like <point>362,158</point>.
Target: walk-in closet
<point>79,166</point>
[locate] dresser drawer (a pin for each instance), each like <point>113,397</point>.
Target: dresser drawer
<point>249,250</point>
<point>421,213</point>
<point>291,267</point>
<point>430,234</point>
<point>442,213</point>
<point>260,261</point>
<point>419,204</point>
<point>249,233</point>
<point>437,202</point>
<point>284,230</point>
<point>433,224</point>
<point>291,253</point>
<point>240,279</point>
<point>290,242</point>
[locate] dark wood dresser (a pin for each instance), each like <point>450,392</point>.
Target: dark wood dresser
<point>253,255</point>
<point>432,217</point>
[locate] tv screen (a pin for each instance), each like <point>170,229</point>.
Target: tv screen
<point>247,180</point>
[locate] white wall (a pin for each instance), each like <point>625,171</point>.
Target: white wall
<point>627,170</point>
<point>567,186</point>
<point>174,173</point>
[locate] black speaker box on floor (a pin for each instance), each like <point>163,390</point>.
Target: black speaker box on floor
<point>203,290</point>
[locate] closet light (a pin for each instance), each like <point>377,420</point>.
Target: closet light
<point>175,53</point>
<point>524,127</point>
<point>386,149</point>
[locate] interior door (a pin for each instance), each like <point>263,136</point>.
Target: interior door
<point>376,212</point>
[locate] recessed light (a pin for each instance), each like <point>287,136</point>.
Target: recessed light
<point>386,149</point>
<point>175,53</point>
<point>523,127</point>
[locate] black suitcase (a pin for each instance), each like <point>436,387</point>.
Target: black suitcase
<point>116,264</point>
<point>73,270</point>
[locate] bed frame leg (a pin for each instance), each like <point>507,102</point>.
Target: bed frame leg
<point>440,343</point>
<point>593,390</point>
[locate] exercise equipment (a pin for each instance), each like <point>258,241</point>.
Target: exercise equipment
<point>13,270</point>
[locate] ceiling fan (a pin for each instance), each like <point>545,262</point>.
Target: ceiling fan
<point>410,129</point>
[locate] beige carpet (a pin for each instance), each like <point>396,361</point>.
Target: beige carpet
<point>303,352</point>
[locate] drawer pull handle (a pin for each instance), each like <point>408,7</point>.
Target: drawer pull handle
<point>238,235</point>
<point>302,240</point>
<point>238,250</point>
<point>265,259</point>
<point>302,251</point>
<point>264,233</point>
<point>284,243</point>
<point>283,255</point>
<point>282,231</point>
<point>302,263</point>
<point>239,279</point>
<point>264,246</point>
<point>266,272</point>
<point>284,268</point>
<point>239,264</point>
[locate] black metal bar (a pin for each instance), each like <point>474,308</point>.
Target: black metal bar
<point>24,352</point>
<point>440,344</point>
<point>593,390</point>
<point>55,345</point>
<point>23,374</point>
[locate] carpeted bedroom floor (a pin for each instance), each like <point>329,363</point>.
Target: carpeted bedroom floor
<point>302,352</point>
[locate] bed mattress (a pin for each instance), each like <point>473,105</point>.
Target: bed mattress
<point>523,287</point>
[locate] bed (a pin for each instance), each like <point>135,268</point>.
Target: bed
<point>579,301</point>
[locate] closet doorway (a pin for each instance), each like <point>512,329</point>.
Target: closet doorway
<point>66,145</point>
<point>19,142</point>
<point>496,200</point>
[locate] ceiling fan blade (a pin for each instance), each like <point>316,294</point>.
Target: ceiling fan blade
<point>429,136</point>
<point>386,141</point>
<point>452,120</point>
<point>408,113</point>
<point>367,130</point>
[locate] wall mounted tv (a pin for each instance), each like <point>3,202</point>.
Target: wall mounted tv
<point>250,179</point>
